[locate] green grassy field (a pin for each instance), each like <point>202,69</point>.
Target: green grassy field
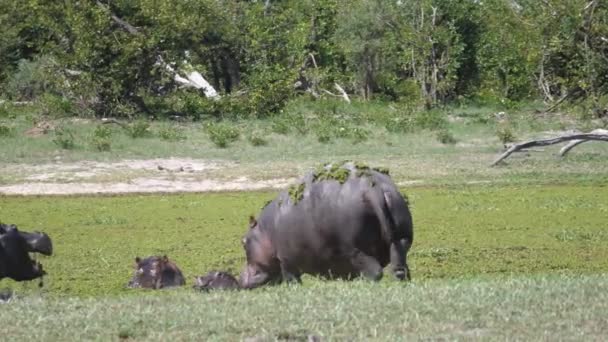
<point>516,251</point>
<point>459,232</point>
<point>489,262</point>
<point>554,307</point>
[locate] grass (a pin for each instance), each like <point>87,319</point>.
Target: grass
<point>416,157</point>
<point>554,307</point>
<point>460,232</point>
<point>512,252</point>
<point>423,148</point>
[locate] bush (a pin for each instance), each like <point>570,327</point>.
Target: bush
<point>432,119</point>
<point>5,131</point>
<point>64,138</point>
<point>32,79</point>
<point>55,106</point>
<point>221,134</point>
<point>101,139</point>
<point>504,132</point>
<point>138,129</point>
<point>444,136</point>
<point>323,136</point>
<point>171,133</point>
<point>399,124</point>
<point>280,125</point>
<point>257,139</point>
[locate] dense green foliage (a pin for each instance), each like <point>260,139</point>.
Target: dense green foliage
<point>107,58</point>
<point>460,232</point>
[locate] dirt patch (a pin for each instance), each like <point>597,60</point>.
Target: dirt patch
<point>140,185</point>
<point>127,176</point>
<point>141,176</point>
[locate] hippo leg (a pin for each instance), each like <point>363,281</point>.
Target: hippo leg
<point>290,275</point>
<point>366,265</point>
<point>398,262</point>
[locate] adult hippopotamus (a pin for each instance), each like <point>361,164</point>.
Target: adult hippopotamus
<point>156,272</point>
<point>342,221</point>
<point>15,246</point>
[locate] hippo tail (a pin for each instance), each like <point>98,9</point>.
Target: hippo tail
<point>380,203</point>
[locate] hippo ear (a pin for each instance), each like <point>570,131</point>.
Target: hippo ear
<point>165,259</point>
<point>137,260</point>
<point>252,222</point>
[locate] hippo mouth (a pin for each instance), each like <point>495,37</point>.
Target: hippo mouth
<point>38,243</point>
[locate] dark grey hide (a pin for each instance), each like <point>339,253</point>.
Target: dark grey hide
<point>216,280</point>
<point>15,246</point>
<point>156,272</point>
<point>335,231</point>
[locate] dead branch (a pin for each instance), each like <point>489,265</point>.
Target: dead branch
<point>341,90</point>
<point>125,25</point>
<point>573,143</point>
<point>545,142</point>
<point>114,121</point>
<point>193,79</point>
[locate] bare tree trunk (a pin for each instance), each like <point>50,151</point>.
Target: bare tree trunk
<point>542,83</point>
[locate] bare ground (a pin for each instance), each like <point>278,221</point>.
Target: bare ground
<point>129,176</point>
<point>148,176</point>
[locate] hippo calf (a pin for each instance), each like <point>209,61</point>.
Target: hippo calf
<point>341,221</point>
<point>15,246</point>
<point>156,272</point>
<point>213,280</point>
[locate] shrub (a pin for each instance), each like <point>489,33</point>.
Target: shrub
<point>101,138</point>
<point>221,134</point>
<point>138,129</point>
<point>64,138</point>
<point>280,125</point>
<point>33,78</point>
<point>444,136</point>
<point>171,133</point>
<point>5,131</point>
<point>504,132</point>
<point>257,139</point>
<point>432,119</point>
<point>55,106</point>
<point>359,135</point>
<point>399,124</point>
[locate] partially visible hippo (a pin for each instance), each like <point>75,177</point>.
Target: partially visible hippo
<point>15,262</point>
<point>342,221</point>
<point>156,272</point>
<point>216,280</point>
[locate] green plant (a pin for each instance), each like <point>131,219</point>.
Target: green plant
<point>280,125</point>
<point>257,139</point>
<point>64,137</point>
<point>504,132</point>
<point>222,134</point>
<point>359,134</point>
<point>431,119</point>
<point>101,138</point>
<point>399,124</point>
<point>138,129</point>
<point>171,133</point>
<point>444,136</point>
<point>5,131</point>
<point>55,106</point>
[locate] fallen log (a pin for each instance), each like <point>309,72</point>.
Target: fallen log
<point>573,143</point>
<point>545,142</point>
